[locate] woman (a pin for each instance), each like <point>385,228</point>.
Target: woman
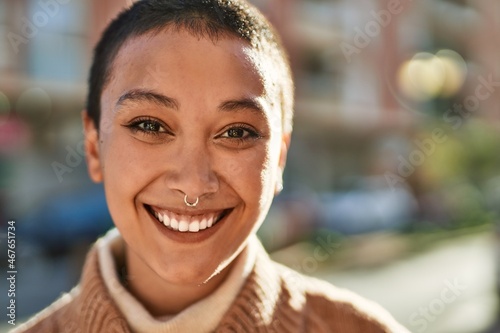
<point>188,124</point>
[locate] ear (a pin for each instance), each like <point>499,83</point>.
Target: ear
<point>285,144</point>
<point>92,148</point>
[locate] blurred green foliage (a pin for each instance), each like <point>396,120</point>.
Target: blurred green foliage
<point>463,170</point>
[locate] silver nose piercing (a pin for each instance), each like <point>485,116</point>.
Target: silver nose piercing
<point>189,204</point>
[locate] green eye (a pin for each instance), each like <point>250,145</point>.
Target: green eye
<point>236,133</point>
<point>240,133</point>
<point>150,126</point>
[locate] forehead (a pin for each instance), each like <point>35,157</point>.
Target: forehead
<point>161,54</point>
<point>188,67</point>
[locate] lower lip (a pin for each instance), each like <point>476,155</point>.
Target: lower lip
<point>188,237</point>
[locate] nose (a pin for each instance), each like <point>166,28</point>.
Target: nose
<point>191,172</point>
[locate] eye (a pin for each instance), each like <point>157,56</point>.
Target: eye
<point>240,132</point>
<point>148,127</point>
<point>239,136</point>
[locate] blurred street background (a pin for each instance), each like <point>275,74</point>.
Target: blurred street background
<point>392,186</point>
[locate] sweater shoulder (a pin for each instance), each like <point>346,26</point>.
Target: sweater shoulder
<point>87,308</point>
<point>329,308</point>
<point>53,318</point>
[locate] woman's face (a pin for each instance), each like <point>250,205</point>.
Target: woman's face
<point>180,116</point>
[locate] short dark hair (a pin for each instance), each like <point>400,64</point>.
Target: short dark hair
<point>203,18</point>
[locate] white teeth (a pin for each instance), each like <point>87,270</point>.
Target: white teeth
<point>194,226</point>
<point>184,223</point>
<point>183,226</point>
<point>174,224</point>
<point>203,224</point>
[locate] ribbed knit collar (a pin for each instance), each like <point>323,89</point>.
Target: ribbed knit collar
<point>203,316</point>
<point>273,299</point>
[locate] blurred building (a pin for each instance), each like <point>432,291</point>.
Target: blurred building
<point>353,120</point>
<point>348,58</point>
<point>358,114</point>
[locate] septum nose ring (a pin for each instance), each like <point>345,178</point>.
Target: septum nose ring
<point>189,204</point>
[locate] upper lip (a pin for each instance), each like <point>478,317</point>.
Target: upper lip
<point>187,211</point>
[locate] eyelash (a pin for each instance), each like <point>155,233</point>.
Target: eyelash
<point>252,134</point>
<point>135,126</point>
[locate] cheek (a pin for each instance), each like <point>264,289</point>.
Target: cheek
<point>125,172</point>
<point>249,173</point>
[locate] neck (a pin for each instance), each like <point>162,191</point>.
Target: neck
<point>160,297</point>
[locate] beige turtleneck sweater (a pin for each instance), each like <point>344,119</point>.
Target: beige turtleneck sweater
<point>272,298</point>
<point>208,312</point>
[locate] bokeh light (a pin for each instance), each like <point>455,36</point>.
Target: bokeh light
<point>427,76</point>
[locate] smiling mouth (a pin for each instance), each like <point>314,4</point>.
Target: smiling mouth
<point>187,223</point>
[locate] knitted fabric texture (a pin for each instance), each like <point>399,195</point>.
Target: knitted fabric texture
<point>207,311</point>
<point>273,299</point>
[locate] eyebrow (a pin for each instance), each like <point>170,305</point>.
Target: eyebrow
<point>141,95</point>
<point>243,104</point>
